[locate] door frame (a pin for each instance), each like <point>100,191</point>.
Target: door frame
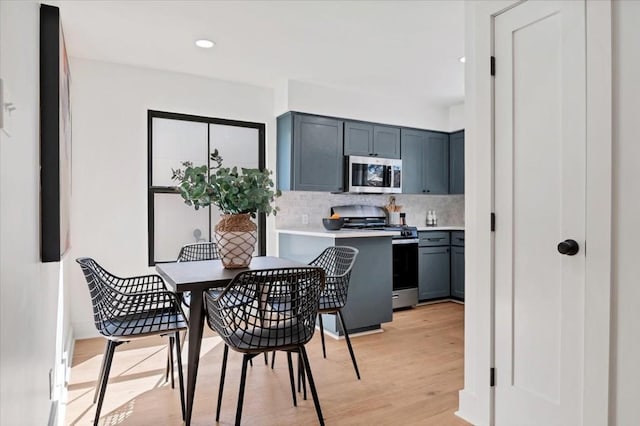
<point>476,403</point>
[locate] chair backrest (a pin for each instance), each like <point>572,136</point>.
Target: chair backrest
<point>267,309</point>
<point>122,306</point>
<point>198,251</point>
<point>337,263</point>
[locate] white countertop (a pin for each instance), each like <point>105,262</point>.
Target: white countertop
<point>440,228</point>
<point>342,233</point>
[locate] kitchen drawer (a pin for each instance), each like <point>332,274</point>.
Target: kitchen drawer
<point>433,238</point>
<point>457,238</point>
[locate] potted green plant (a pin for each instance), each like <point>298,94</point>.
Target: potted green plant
<point>239,195</point>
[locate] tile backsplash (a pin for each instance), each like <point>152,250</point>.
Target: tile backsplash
<point>294,204</point>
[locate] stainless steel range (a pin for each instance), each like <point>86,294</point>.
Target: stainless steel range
<point>405,249</point>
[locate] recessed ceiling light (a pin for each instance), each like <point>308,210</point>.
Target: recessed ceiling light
<point>462,59</point>
<point>204,43</point>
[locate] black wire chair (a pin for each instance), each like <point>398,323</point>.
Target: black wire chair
<point>195,252</point>
<point>125,309</point>
<point>267,310</point>
<point>198,251</point>
<point>337,263</point>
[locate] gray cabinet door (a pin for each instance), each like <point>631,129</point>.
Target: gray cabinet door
<point>317,154</point>
<point>412,165</point>
<point>433,238</point>
<point>456,163</point>
<point>358,138</point>
<point>386,142</point>
<point>436,163</point>
<point>371,140</point>
<point>433,272</point>
<point>457,272</point>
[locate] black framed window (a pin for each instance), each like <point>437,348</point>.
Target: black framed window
<point>173,138</point>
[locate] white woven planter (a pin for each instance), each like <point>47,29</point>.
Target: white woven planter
<point>236,239</point>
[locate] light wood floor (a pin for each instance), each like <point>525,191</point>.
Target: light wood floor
<point>411,374</point>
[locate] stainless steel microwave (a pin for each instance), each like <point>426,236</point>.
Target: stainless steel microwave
<point>374,175</point>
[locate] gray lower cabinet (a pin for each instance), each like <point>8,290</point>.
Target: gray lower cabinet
<point>457,264</point>
<point>433,265</point>
<point>310,153</point>
<point>425,162</point>
<point>371,140</point>
<point>433,272</point>
<point>457,272</point>
<point>440,265</point>
<point>369,302</point>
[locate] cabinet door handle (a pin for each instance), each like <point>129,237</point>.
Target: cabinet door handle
<point>434,239</point>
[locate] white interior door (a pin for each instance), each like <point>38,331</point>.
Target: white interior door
<point>540,151</point>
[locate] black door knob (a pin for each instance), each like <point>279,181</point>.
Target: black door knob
<point>568,247</point>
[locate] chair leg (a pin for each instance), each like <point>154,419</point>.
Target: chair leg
<point>273,359</point>
<point>223,371</point>
<point>171,346</point>
<point>291,379</point>
<point>101,374</point>
<point>266,358</point>
<point>324,351</point>
<point>301,378</point>
<point>166,370</point>
<point>346,337</point>
<point>180,376</point>
<point>243,380</point>
<point>111,347</point>
<point>312,385</point>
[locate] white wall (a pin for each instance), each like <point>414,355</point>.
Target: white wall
<point>625,351</point>
<point>314,99</point>
<point>456,117</point>
<point>29,290</point>
<point>109,207</point>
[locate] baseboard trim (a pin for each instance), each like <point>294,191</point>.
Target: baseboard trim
<point>351,335</point>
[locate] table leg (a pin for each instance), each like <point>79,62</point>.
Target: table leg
<point>196,324</point>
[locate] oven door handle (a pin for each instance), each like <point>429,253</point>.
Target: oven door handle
<point>404,241</point>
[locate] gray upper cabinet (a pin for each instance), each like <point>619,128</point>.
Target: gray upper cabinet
<point>371,140</point>
<point>425,162</point>
<point>386,141</point>
<point>358,138</point>
<point>456,163</point>
<point>412,145</point>
<point>435,159</point>
<point>310,153</point>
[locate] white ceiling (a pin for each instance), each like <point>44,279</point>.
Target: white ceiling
<point>389,48</point>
